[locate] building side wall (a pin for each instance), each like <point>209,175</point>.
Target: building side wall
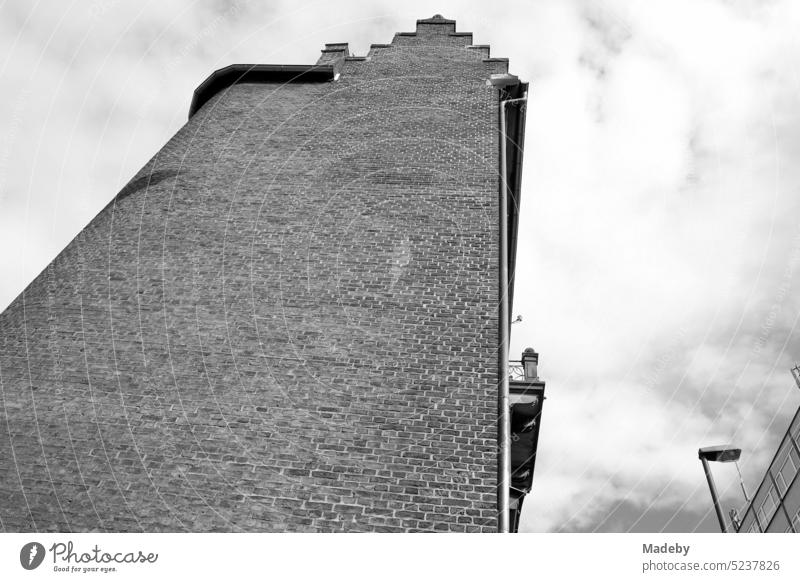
<point>776,503</point>
<point>286,321</point>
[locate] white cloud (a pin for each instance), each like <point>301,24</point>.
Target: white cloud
<point>661,211</point>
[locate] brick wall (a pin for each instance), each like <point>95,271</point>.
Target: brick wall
<point>286,321</point>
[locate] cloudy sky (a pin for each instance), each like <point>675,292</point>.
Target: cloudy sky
<point>660,247</point>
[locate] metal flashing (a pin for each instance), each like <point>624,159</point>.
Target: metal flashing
<point>223,78</point>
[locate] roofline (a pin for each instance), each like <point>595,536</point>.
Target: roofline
<point>434,20</point>
<point>515,138</point>
<point>223,78</point>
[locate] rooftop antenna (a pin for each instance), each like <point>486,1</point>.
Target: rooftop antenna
<point>796,374</point>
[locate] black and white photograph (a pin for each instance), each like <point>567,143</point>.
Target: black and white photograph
<point>383,268</point>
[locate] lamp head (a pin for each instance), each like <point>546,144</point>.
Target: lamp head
<point>720,453</point>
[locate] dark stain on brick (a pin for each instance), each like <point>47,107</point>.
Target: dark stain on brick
<point>146,181</point>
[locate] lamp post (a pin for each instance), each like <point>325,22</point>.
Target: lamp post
<point>720,454</point>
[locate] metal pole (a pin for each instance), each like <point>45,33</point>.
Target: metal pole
<point>503,400</point>
<point>504,408</point>
<point>741,482</point>
<point>714,497</point>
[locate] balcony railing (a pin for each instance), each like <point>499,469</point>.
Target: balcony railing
<point>516,372</point>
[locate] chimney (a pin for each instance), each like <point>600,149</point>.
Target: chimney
<point>530,364</point>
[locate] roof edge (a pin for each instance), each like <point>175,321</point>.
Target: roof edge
<point>435,19</point>
<point>231,75</point>
<point>515,146</point>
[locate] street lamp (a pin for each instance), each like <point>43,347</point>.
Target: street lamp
<point>720,454</point>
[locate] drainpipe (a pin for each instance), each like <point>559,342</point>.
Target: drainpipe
<point>503,404</point>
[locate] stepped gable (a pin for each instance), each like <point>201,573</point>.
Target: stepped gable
<point>434,43</point>
<point>434,34</point>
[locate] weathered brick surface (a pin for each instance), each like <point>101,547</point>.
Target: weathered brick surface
<point>287,321</point>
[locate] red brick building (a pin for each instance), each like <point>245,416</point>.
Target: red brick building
<point>289,319</point>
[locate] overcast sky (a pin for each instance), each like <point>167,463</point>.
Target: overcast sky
<point>660,236</point>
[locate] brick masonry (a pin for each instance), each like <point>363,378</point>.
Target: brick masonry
<point>287,321</point>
